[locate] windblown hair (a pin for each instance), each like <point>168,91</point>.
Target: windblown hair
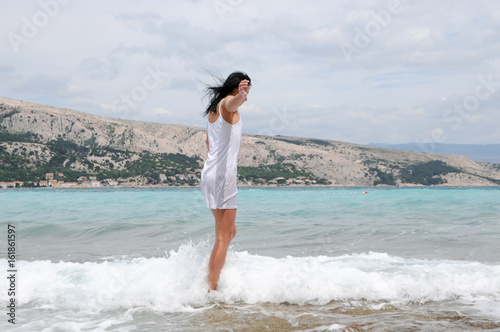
<point>217,93</point>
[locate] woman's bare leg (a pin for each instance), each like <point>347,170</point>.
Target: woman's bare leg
<point>225,230</point>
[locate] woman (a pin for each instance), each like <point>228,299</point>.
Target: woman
<point>219,175</point>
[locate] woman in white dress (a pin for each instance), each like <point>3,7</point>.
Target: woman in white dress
<point>219,175</point>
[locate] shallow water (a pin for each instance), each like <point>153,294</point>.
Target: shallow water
<point>304,259</point>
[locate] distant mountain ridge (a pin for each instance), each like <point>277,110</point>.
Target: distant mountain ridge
<point>478,152</point>
<point>35,138</point>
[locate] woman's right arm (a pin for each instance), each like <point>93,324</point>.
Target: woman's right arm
<point>231,103</point>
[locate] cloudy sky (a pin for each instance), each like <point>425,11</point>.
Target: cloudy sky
<point>390,71</point>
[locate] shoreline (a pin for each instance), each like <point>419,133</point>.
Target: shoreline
<point>258,186</point>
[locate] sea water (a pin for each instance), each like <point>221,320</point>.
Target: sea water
<point>304,259</point>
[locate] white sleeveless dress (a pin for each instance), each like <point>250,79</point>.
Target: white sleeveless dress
<point>220,174</point>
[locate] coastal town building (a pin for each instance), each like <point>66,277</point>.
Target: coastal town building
<point>279,179</point>
<point>13,184</point>
<point>111,182</point>
<point>69,185</point>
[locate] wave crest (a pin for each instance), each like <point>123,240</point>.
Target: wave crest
<point>177,282</point>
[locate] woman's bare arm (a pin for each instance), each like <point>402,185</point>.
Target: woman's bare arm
<point>231,103</point>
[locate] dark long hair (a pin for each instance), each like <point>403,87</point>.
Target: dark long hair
<point>217,93</point>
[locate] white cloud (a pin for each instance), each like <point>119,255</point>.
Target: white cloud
<point>162,111</point>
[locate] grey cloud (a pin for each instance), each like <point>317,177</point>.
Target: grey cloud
<point>95,69</point>
<point>42,84</point>
<point>6,70</point>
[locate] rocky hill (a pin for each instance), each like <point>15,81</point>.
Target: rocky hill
<point>479,152</point>
<point>37,138</point>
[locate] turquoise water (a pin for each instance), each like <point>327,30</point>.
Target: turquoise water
<point>308,259</point>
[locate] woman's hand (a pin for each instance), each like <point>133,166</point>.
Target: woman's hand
<point>244,88</point>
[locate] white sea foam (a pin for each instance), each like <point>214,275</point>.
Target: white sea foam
<point>333,327</point>
<point>177,282</point>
